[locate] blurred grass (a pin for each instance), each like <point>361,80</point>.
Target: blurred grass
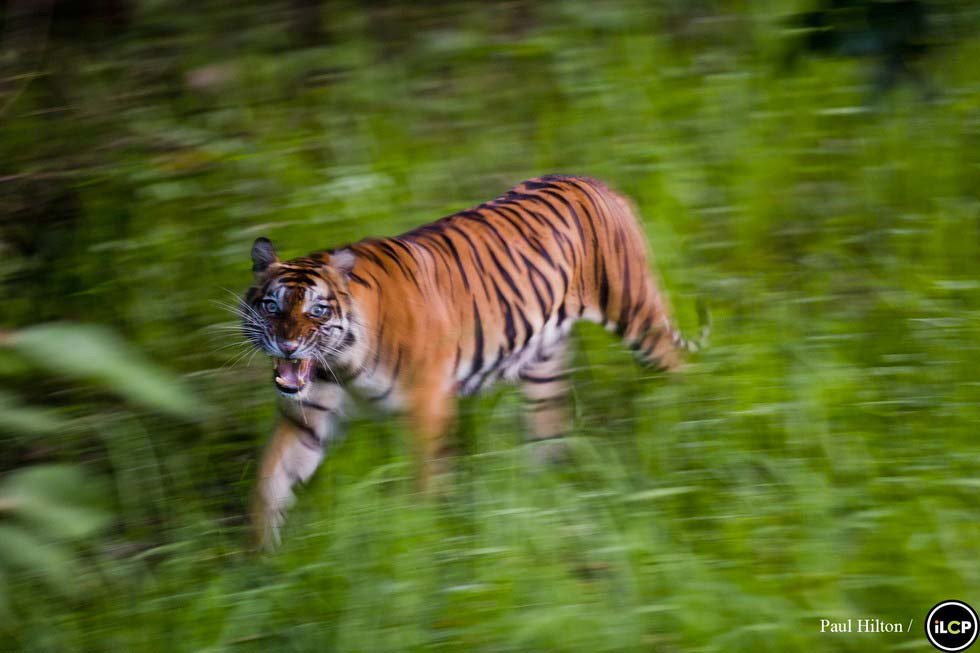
<point>819,461</point>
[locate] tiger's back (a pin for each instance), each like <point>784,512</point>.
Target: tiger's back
<point>448,308</point>
<point>503,282</point>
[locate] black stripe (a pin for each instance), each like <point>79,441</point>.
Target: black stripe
<point>536,184</point>
<point>406,248</point>
<point>371,256</point>
<point>394,375</point>
<point>603,291</point>
<point>506,275</point>
<point>498,359</point>
<point>645,326</point>
<point>359,280</point>
<point>509,330</point>
<point>544,403</point>
<point>390,252</point>
<point>477,260</point>
<point>531,240</point>
<point>398,364</point>
<point>563,239</point>
<point>302,426</point>
<point>521,207</point>
<point>528,329</point>
<point>472,214</point>
<point>638,306</point>
<point>473,248</point>
<point>564,280</point>
<point>315,406</point>
<point>541,200</point>
<point>393,255</point>
<point>477,364</point>
<point>625,301</point>
<point>649,349</point>
<point>532,270</point>
<point>561,314</point>
<point>455,255</point>
<point>297,277</point>
<point>383,395</point>
<point>503,242</point>
<point>587,190</point>
<point>561,376</point>
<point>551,291</point>
<point>572,211</point>
<point>377,347</point>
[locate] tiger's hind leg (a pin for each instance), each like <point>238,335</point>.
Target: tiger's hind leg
<point>546,387</point>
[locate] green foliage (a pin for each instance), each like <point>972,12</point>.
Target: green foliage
<point>43,510</point>
<point>16,418</point>
<point>94,354</point>
<point>819,460</point>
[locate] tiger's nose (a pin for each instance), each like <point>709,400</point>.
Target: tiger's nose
<point>289,347</point>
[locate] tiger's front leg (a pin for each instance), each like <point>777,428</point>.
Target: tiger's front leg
<point>431,413</point>
<point>306,428</point>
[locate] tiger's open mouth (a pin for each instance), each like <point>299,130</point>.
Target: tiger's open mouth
<point>293,375</point>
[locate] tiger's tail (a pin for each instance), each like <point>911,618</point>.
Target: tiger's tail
<point>659,344</point>
<point>630,298</point>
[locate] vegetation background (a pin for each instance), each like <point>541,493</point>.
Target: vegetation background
<point>819,187</point>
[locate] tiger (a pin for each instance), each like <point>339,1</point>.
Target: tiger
<point>412,322</point>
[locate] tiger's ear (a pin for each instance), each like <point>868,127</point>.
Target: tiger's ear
<point>343,261</point>
<point>263,255</point>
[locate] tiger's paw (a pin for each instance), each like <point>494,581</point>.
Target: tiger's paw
<point>266,523</point>
<point>553,451</point>
<point>438,480</point>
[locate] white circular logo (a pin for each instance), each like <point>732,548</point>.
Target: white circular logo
<point>951,626</point>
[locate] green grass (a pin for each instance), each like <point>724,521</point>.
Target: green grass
<point>819,461</point>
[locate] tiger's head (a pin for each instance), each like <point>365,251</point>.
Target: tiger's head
<point>299,312</point>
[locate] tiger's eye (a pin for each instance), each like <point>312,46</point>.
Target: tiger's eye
<point>270,306</point>
<point>320,310</point>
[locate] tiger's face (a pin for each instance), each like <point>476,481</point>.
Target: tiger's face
<point>298,312</point>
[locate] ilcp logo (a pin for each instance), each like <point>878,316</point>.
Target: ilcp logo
<point>951,626</point>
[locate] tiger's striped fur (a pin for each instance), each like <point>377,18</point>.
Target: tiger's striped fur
<point>447,309</point>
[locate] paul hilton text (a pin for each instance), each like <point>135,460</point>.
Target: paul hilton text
<point>860,626</point>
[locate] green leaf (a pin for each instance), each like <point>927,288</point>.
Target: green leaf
<point>57,499</point>
<point>22,550</point>
<point>93,353</point>
<point>18,418</point>
<point>659,493</point>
